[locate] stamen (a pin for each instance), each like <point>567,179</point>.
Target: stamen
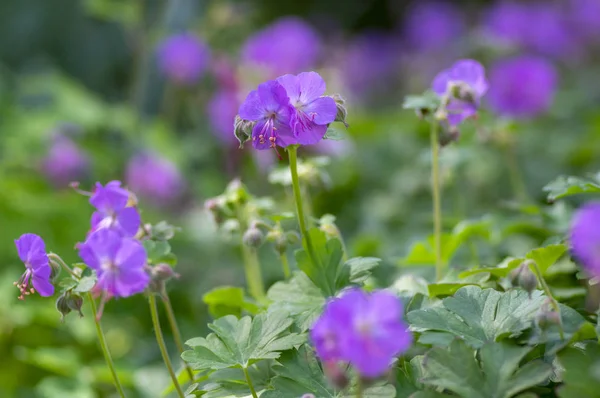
<point>75,186</point>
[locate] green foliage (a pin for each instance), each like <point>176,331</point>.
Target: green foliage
<point>228,300</point>
<point>564,186</point>
<point>493,372</point>
<point>328,254</point>
<point>581,374</point>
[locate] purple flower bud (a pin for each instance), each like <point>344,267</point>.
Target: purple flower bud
<point>221,110</point>
<point>287,46</point>
<point>462,85</point>
<point>65,162</point>
<point>433,25</point>
<point>364,329</point>
<point>119,262</point>
<point>585,237</point>
<point>32,252</point>
<point>183,58</point>
<point>522,87</point>
<point>154,178</point>
<point>112,212</point>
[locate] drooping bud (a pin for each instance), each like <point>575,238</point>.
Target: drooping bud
<point>242,129</point>
<point>253,237</point>
<point>55,270</point>
<point>448,135</point>
<point>523,277</point>
<point>336,376</point>
<point>67,302</point>
<point>342,112</point>
<point>308,396</point>
<point>62,307</point>
<point>163,272</point>
<point>75,302</point>
<point>546,319</point>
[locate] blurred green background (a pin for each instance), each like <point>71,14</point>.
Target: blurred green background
<point>87,72</point>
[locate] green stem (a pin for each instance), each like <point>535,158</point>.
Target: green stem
<point>553,301</point>
<point>359,388</point>
<point>292,151</point>
<point>175,330</point>
<point>436,195</point>
<point>308,210</point>
<point>250,385</point>
<point>104,346</point>
<point>253,274</point>
<point>285,265</point>
<point>57,259</point>
<point>161,344</point>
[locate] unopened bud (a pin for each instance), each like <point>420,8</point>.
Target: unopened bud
<point>342,112</point>
<point>55,269</point>
<point>545,319</point>
<point>67,302</point>
<point>308,396</point>
<point>335,375</point>
<point>253,237</point>
<point>523,277</point>
<point>62,307</point>
<point>75,302</point>
<point>231,226</point>
<point>449,136</point>
<point>163,272</point>
<point>236,193</point>
<point>242,129</point>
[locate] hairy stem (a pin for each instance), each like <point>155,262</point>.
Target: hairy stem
<point>553,301</point>
<point>161,344</point>
<point>436,196</point>
<point>104,346</point>
<point>285,265</point>
<point>253,273</point>
<point>250,385</point>
<point>175,330</point>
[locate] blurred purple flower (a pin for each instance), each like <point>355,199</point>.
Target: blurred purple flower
<point>468,78</point>
<point>368,63</point>
<point>313,111</point>
<point>119,263</point>
<point>522,87</point>
<point>289,45</point>
<point>270,107</point>
<point>183,58</point>
<point>584,16</point>
<point>221,111</point>
<point>112,212</point>
<point>153,177</point>
<point>364,329</point>
<point>433,25</point>
<point>585,237</point>
<point>65,162</point>
<point>32,251</point>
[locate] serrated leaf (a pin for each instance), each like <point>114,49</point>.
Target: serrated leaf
<point>334,135</point>
<point>495,374</point>
<point>564,186</point>
<point>299,297</point>
<point>581,376</point>
<point>157,250</point>
<point>428,100</point>
<point>328,253</point>
<point>163,231</point>
<point>228,300</point>
<point>242,342</point>
<point>85,284</point>
<point>479,316</point>
<point>356,271</point>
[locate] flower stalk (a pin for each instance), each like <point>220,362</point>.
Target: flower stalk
<point>175,330</point>
<point>553,301</point>
<point>249,381</point>
<point>436,196</point>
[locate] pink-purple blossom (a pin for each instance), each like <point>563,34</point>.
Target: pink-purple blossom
<point>313,112</point>
<point>183,58</point>
<point>522,86</point>
<point>463,85</point>
<point>585,237</point>
<point>363,329</point>
<point>32,252</point>
<point>221,110</point>
<point>119,263</point>
<point>65,161</point>
<point>433,25</point>
<point>112,211</point>
<point>154,178</point>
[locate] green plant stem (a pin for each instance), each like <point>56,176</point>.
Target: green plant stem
<point>285,265</point>
<point>253,273</point>
<point>104,346</point>
<point>292,151</point>
<point>436,196</point>
<point>161,344</point>
<point>175,330</point>
<point>250,385</point>
<point>56,258</point>
<point>359,388</point>
<point>553,301</point>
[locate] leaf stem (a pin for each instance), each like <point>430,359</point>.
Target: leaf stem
<point>104,346</point>
<point>57,259</point>
<point>285,265</point>
<point>292,151</point>
<point>253,274</point>
<point>436,196</point>
<point>553,301</point>
<point>161,344</point>
<point>250,385</point>
<point>175,330</point>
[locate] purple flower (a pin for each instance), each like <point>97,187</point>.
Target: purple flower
<point>183,58</point>
<point>468,78</point>
<point>433,25</point>
<point>32,251</point>
<point>221,110</point>
<point>287,46</point>
<point>364,329</point>
<point>270,107</point>
<point>313,112</point>
<point>65,162</point>
<point>585,237</point>
<point>119,263</point>
<point>112,212</point>
<point>154,177</point>
<point>584,16</point>
<point>522,87</point>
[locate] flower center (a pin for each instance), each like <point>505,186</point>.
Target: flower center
<point>23,284</point>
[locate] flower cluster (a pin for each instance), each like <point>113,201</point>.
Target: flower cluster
<point>363,329</point>
<point>289,110</point>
